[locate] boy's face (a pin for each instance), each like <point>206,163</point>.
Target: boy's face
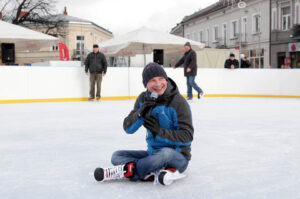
<point>157,84</point>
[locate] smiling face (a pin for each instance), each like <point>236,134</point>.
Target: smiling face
<point>158,85</point>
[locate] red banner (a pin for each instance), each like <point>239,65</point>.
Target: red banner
<point>63,52</point>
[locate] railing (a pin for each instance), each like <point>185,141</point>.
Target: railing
<point>296,31</point>
<point>278,35</point>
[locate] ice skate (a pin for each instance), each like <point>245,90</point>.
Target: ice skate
<point>115,172</point>
<point>168,176</point>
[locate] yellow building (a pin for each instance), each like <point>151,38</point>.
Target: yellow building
<point>77,34</point>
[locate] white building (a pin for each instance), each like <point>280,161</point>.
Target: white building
<point>238,24</point>
<point>285,34</point>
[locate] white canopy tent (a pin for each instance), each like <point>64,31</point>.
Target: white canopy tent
<point>144,41</point>
<point>24,38</point>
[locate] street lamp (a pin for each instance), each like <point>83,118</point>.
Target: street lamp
<point>241,5</point>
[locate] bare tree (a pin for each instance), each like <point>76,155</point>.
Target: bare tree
<point>3,5</point>
<point>32,13</point>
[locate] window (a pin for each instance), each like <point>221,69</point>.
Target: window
<point>286,18</point>
<point>274,19</point>
<point>216,34</point>
<point>224,33</point>
<point>256,58</point>
<point>54,48</point>
<point>80,37</point>
<point>207,37</point>
<point>244,29</point>
<point>195,36</point>
<point>297,13</point>
<point>201,36</point>
<point>79,44</point>
<point>234,29</point>
<point>256,23</point>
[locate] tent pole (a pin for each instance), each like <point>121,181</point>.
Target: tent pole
<point>144,55</point>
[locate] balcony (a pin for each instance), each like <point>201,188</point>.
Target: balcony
<point>296,32</point>
<point>221,43</point>
<point>278,36</point>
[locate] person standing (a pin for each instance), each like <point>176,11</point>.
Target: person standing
<point>231,63</point>
<point>189,61</point>
<point>167,118</point>
<point>96,65</point>
<point>244,62</point>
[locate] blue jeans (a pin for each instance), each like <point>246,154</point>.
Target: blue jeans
<point>146,163</point>
<point>190,82</point>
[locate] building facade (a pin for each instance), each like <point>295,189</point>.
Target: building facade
<point>285,33</point>
<point>232,24</point>
<point>77,34</point>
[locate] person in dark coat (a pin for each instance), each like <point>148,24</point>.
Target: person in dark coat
<point>244,62</point>
<point>189,62</point>
<point>167,117</point>
<point>231,63</point>
<point>96,65</point>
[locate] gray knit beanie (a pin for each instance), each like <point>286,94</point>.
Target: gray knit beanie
<point>153,70</point>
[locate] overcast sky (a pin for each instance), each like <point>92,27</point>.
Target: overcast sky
<point>121,16</point>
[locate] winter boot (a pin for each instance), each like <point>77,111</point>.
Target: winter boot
<point>115,172</point>
<point>200,95</point>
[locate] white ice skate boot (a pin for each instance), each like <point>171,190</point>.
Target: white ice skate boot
<point>167,176</point>
<point>115,172</point>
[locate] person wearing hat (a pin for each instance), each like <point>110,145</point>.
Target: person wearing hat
<point>189,61</point>
<point>244,62</point>
<point>95,64</point>
<point>231,63</point>
<point>167,117</point>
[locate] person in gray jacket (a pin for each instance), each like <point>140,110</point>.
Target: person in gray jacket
<point>189,62</point>
<point>96,65</point>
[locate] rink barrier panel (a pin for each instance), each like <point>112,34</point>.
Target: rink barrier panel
<point>56,84</point>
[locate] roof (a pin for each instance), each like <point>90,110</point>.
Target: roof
<point>24,38</point>
<point>221,4</point>
<point>68,18</point>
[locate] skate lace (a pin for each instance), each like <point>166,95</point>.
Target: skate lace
<point>116,172</point>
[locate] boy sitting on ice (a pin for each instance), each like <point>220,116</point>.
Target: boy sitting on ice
<point>167,117</point>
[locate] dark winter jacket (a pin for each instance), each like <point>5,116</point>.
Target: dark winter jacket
<point>189,60</point>
<point>95,63</point>
<point>245,64</point>
<point>175,120</point>
<point>230,62</point>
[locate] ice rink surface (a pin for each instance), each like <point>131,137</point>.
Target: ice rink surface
<point>242,148</point>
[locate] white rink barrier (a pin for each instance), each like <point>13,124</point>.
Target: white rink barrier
<point>38,84</point>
